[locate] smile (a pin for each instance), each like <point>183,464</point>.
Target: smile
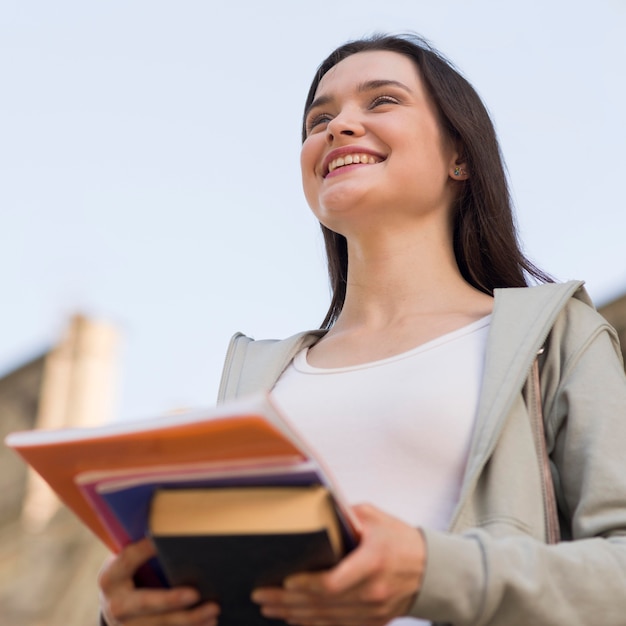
<point>350,159</point>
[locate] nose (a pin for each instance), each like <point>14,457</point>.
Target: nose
<point>346,123</point>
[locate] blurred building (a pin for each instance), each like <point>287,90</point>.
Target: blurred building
<point>615,313</point>
<point>48,561</point>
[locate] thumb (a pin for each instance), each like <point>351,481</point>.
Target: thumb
<point>348,573</point>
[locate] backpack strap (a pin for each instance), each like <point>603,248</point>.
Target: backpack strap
<point>553,532</point>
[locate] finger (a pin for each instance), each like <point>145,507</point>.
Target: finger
<point>286,598</point>
<point>121,568</point>
<point>276,596</point>
<point>203,615</point>
<point>142,602</point>
<point>352,570</point>
<point>366,512</point>
<point>320,615</point>
<point>349,573</point>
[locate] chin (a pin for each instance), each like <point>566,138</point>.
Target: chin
<point>344,199</point>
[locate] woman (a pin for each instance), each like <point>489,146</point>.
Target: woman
<point>421,374</point>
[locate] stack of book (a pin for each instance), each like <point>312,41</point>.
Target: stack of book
<point>232,497</point>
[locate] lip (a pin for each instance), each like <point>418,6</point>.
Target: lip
<point>337,152</point>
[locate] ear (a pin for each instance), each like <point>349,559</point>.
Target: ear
<point>458,161</point>
<point>458,170</point>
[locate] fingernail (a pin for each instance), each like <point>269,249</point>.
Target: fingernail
<point>210,610</point>
<point>292,584</point>
<point>189,596</point>
<point>271,611</point>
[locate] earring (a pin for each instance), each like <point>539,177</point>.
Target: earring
<point>458,171</point>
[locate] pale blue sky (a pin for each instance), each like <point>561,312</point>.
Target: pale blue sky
<point>149,163</point>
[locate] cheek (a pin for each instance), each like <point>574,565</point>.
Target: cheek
<point>309,157</point>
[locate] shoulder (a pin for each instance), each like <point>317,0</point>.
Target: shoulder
<point>553,318</point>
<point>578,323</point>
<point>253,366</point>
<point>550,296</point>
<point>550,308</point>
<point>582,352</point>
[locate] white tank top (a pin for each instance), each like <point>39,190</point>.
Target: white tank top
<point>395,432</point>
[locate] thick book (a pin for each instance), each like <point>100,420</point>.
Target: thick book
<point>227,541</point>
<point>100,473</point>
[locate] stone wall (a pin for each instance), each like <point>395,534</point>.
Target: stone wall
<point>19,400</point>
<point>49,561</point>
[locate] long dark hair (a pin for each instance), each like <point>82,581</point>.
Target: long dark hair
<point>485,239</point>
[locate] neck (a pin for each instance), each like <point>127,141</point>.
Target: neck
<point>392,276</point>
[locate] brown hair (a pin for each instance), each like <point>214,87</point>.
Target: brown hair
<point>484,234</point>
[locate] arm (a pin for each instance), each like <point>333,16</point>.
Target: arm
<point>478,579</point>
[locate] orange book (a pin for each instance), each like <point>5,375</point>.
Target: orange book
<point>248,431</point>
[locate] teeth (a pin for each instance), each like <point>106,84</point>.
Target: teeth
<point>349,159</point>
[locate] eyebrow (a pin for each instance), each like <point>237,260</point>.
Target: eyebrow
<point>368,85</point>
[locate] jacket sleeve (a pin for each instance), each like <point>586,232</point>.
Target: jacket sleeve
<point>475,578</point>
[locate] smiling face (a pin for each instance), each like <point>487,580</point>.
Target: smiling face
<point>374,147</point>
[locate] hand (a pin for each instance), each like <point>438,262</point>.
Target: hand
<point>376,582</point>
<point>122,604</point>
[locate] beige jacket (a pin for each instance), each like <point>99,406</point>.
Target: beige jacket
<point>493,566</point>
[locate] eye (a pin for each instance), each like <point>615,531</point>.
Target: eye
<point>383,99</point>
<point>319,119</point>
